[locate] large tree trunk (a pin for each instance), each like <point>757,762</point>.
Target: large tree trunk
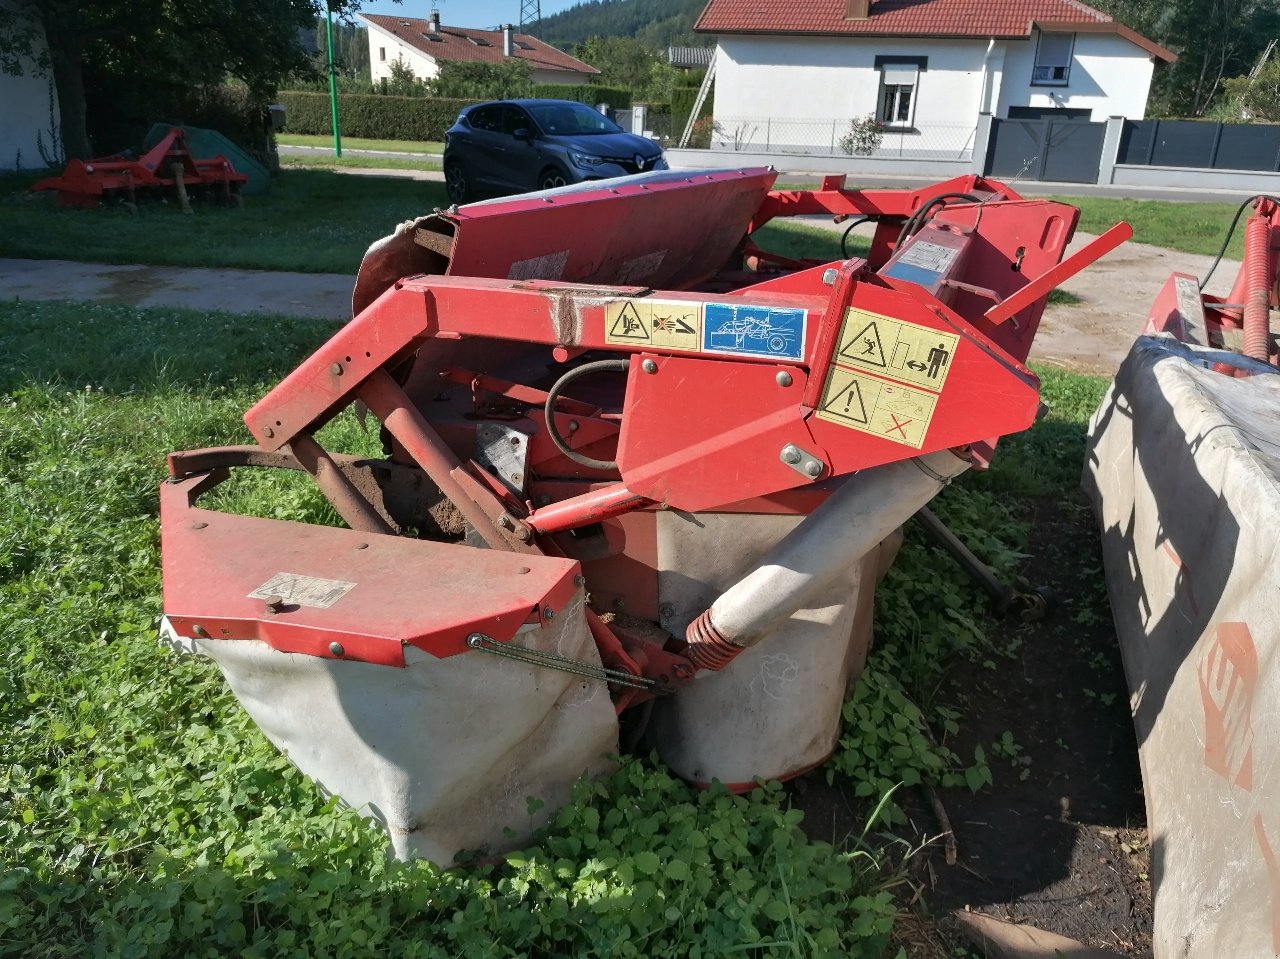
<point>65,55</point>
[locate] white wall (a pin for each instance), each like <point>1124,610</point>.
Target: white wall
<point>830,77</point>
<point>1109,76</point>
<point>29,119</point>
<point>380,42</point>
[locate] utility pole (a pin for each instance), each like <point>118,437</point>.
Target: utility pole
<point>530,15</point>
<point>333,84</point>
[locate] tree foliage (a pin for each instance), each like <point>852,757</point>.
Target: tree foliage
<point>1214,40</point>
<point>656,24</point>
<point>119,64</point>
<point>1256,99</point>
<point>482,81</point>
<point>631,65</point>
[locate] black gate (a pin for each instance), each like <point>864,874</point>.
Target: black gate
<point>1068,151</point>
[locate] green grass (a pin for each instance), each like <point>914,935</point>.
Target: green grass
<point>321,162</point>
<point>1186,227</point>
<point>1063,298</point>
<point>141,812</point>
<point>358,143</point>
<point>312,221</point>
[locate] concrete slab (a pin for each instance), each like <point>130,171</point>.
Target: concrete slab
<point>325,296</point>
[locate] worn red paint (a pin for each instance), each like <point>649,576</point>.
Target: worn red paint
<point>1228,677</point>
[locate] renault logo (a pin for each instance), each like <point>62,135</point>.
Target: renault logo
<point>639,161</point>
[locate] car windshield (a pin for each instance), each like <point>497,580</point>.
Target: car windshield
<point>561,119</point>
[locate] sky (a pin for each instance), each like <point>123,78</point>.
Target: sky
<point>481,14</point>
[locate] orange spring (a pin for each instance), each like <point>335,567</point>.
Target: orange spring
<point>708,649</point>
<point>1257,300</point>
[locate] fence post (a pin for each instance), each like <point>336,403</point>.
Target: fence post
<point>833,136</point>
<point>1110,150</point>
<point>768,133</point>
<point>981,144</point>
<point>1151,145</point>
<point>1213,150</point>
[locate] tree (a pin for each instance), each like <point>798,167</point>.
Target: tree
<point>622,61</point>
<point>483,81</point>
<point>1214,39</point>
<point>1256,99</point>
<point>140,55</point>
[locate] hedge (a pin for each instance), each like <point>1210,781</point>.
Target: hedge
<point>587,93</point>
<point>372,116</point>
<point>682,100</point>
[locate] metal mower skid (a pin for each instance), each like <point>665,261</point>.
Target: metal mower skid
<point>640,476</point>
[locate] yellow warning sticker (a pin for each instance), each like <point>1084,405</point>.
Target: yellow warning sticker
<point>904,351</point>
<point>874,406</point>
<point>667,324</point>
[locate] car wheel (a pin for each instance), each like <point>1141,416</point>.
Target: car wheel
<point>550,178</point>
<point>456,183</point>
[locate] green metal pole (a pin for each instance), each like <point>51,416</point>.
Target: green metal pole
<point>333,86</point>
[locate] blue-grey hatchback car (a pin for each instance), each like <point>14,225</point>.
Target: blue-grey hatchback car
<point>513,146</point>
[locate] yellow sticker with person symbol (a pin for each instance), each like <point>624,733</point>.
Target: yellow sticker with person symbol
<point>668,324</point>
<point>895,348</point>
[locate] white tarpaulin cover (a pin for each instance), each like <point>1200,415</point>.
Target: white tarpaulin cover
<point>1184,473</point>
<point>445,753</point>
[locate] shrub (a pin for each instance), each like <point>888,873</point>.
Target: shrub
<point>863,137</point>
<point>375,117</point>
<point>587,93</point>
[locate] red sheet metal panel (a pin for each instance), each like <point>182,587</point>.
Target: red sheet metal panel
<point>370,594</point>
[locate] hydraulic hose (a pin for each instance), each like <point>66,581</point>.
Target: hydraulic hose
<point>853,519</point>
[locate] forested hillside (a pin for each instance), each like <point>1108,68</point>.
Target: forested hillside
<point>655,23</point>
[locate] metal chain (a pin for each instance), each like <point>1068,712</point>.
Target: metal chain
<point>538,657</point>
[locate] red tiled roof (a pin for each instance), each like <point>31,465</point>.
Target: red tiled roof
<point>1002,19</point>
<point>455,43</point>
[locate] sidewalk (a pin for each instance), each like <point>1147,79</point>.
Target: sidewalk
<point>321,296</point>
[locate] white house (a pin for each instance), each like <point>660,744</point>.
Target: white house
<point>793,76</point>
<point>30,125</point>
<point>423,45</point>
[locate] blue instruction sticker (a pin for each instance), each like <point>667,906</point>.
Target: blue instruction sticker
<point>754,330</point>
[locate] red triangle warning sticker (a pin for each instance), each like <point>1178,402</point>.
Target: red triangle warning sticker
<point>865,347</point>
<point>628,325</point>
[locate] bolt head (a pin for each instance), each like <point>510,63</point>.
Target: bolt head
<point>548,613</point>
<point>268,432</point>
<point>813,468</point>
<point>336,369</point>
<point>475,640</point>
<point>274,603</point>
<point>200,631</point>
<point>783,378</point>
<point>649,366</point>
<point>791,455</point>
<point>336,649</point>
<point>829,277</point>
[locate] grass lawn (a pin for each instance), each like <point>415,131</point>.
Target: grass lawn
<point>312,221</point>
<point>323,162</point>
<point>358,143</point>
<point>142,814</point>
<point>1187,227</point>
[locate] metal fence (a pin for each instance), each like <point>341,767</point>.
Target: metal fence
<point>1201,144</point>
<point>938,141</point>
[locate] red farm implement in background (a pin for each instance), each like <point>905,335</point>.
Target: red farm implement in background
<point>639,480</point>
<point>168,167</point>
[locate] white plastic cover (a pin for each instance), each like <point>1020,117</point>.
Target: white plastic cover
<point>446,752</point>
<point>1184,473</point>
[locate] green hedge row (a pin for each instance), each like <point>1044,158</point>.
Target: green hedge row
<point>682,100</point>
<point>587,93</point>
<point>375,117</point>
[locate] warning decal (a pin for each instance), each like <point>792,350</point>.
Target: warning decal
<point>905,351</point>
<point>299,590</point>
<point>871,405</point>
<point>872,347</point>
<point>667,324</point>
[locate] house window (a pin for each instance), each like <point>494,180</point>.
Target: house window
<point>899,89</point>
<point>382,54</point>
<point>1053,59</point>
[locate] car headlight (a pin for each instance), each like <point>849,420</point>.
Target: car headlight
<point>585,160</point>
